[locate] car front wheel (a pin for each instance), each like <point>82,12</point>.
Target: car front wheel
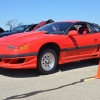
<point>47,61</point>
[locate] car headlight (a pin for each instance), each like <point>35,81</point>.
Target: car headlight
<point>22,47</point>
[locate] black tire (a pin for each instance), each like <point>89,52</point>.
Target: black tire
<point>95,60</point>
<point>40,68</point>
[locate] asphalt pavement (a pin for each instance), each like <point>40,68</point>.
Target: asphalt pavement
<point>72,81</point>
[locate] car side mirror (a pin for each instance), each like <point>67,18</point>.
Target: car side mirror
<point>72,33</point>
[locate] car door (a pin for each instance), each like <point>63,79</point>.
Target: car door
<point>83,44</point>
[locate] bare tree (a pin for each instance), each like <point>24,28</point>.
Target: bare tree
<point>9,23</point>
<point>20,23</point>
<point>13,23</point>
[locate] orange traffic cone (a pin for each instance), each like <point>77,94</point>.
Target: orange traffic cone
<point>98,72</point>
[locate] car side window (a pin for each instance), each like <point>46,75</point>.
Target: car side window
<point>94,28</point>
<point>81,28</point>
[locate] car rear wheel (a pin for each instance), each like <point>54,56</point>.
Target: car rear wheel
<point>47,61</point>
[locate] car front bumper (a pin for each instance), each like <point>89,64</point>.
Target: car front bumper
<point>19,61</point>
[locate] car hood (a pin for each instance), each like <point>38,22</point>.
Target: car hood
<point>22,37</point>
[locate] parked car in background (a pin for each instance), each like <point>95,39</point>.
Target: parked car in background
<point>18,29</point>
<point>25,28</point>
<point>49,45</point>
<point>1,30</point>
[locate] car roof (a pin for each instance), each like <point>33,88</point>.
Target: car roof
<point>72,21</point>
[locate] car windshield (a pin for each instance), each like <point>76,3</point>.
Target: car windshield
<point>21,28</point>
<point>56,27</point>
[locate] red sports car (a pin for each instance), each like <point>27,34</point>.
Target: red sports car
<point>52,44</point>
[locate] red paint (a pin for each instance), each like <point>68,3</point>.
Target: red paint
<point>35,40</point>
